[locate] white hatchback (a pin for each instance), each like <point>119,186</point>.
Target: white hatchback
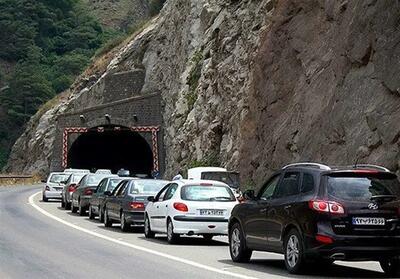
<point>190,207</point>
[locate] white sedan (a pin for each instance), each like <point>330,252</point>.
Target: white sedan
<point>190,207</point>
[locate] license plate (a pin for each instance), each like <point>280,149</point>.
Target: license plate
<point>363,221</point>
<point>211,212</point>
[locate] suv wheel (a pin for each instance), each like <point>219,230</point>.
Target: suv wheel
<point>391,267</point>
<point>107,221</point>
<point>62,203</point>
<point>172,237</point>
<point>294,252</point>
<point>148,233</point>
<point>124,225</point>
<point>237,245</point>
<point>91,214</point>
<point>44,198</point>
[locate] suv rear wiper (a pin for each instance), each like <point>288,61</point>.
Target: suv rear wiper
<point>384,198</point>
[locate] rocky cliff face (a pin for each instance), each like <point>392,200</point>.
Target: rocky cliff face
<point>252,85</point>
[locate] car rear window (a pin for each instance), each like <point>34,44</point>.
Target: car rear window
<point>76,178</point>
<point>147,186</point>
<point>363,188</point>
<point>206,193</point>
<point>57,178</point>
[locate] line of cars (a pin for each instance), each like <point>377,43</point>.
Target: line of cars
<point>311,213</point>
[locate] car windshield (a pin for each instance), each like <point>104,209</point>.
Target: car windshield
<point>363,188</point>
<point>113,183</point>
<point>147,186</point>
<point>206,193</point>
<point>58,178</point>
<point>230,178</point>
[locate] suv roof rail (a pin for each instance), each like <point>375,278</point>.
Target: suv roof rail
<point>308,164</point>
<point>371,166</point>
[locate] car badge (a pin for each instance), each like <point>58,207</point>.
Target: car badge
<point>373,206</point>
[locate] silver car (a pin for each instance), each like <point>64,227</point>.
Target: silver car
<point>69,188</point>
<point>54,185</point>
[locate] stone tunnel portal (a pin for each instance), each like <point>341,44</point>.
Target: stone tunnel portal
<point>110,148</point>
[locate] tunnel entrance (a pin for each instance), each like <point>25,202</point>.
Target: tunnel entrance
<point>111,147</point>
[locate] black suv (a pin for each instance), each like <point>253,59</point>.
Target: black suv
<point>314,213</point>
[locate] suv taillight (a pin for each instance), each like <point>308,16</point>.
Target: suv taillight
<point>181,206</point>
<point>326,206</point>
<point>72,188</point>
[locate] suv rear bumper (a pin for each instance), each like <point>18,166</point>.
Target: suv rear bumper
<point>356,248</point>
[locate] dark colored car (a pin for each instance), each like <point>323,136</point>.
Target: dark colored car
<point>129,199</point>
<point>314,213</point>
<point>69,188</point>
<point>105,188</point>
<point>84,191</point>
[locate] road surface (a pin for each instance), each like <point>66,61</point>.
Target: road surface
<point>40,240</point>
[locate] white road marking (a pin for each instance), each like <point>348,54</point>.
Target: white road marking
<point>140,248</point>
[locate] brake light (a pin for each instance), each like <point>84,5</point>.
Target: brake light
<point>88,192</point>
<point>326,206</point>
<point>181,206</point>
<point>136,205</point>
<point>324,239</point>
<point>72,188</point>
<point>47,188</point>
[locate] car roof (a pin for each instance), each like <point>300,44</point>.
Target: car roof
<point>184,182</point>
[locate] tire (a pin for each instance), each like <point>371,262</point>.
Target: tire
<point>148,233</point>
<point>107,221</point>
<point>294,252</point>
<point>124,225</point>
<point>237,245</point>
<point>208,237</point>
<point>91,214</point>
<point>391,267</point>
<point>81,209</point>
<point>172,237</point>
<point>73,208</point>
<point>101,215</point>
<point>44,199</point>
<point>67,205</point>
<point>62,203</point>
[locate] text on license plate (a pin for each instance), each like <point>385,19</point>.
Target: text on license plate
<point>368,221</point>
<point>211,212</point>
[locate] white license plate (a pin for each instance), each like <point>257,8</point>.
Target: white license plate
<point>364,221</point>
<point>211,212</point>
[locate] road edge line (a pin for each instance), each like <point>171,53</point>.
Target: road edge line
<point>136,247</point>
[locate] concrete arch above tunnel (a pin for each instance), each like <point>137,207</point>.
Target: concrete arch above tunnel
<point>113,147</point>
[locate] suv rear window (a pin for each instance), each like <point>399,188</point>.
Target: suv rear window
<point>206,193</point>
<point>363,188</point>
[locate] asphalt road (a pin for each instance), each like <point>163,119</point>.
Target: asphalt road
<point>40,240</point>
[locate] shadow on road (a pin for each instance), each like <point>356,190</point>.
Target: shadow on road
<point>186,241</point>
<point>277,267</point>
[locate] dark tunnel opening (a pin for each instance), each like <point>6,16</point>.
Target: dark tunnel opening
<point>111,149</point>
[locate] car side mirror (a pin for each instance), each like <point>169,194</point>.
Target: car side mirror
<point>150,199</point>
<point>107,193</point>
<point>249,195</point>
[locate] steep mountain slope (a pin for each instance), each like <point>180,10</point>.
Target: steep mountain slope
<point>252,85</point>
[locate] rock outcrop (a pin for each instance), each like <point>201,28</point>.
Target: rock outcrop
<point>252,85</point>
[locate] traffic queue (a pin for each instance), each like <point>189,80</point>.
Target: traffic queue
<point>313,214</point>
